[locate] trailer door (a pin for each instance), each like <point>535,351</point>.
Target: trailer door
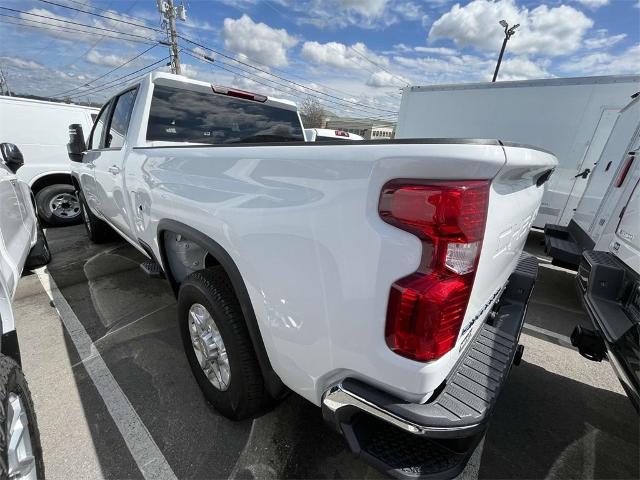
<point>618,146</point>
<point>586,168</point>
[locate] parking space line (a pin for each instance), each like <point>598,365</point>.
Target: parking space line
<point>561,339</point>
<point>143,448</point>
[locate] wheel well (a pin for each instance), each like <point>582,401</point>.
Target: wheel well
<point>53,179</point>
<point>184,250</point>
<point>184,256</point>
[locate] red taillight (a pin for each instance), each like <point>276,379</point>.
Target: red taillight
<point>238,93</point>
<point>625,170</point>
<point>426,309</point>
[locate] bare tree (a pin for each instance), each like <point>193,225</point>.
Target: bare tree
<point>312,113</point>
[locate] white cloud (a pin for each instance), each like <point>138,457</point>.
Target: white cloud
<point>543,30</point>
<point>21,63</point>
<point>522,68</point>
<point>257,41</point>
<point>385,79</point>
<point>371,14</point>
<point>409,11</point>
<point>436,50</point>
<point>339,55</point>
<point>603,63</point>
<point>447,70</point>
<point>108,60</point>
<point>366,8</point>
<point>58,26</point>
<point>601,40</point>
<point>593,3</point>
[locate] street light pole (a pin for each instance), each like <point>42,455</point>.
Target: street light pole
<point>508,33</point>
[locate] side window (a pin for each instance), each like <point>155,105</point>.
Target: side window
<point>98,128</point>
<point>120,119</point>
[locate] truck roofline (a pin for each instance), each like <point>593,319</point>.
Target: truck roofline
<point>182,80</point>
<point>46,102</point>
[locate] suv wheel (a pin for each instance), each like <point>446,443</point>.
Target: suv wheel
<point>58,205</point>
<point>218,346</point>
<point>20,449</point>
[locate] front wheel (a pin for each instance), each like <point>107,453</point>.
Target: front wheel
<point>20,449</point>
<point>97,230</point>
<point>58,205</point>
<point>218,346</point>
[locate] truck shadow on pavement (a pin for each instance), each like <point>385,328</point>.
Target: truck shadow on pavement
<point>550,426</point>
<point>546,425</point>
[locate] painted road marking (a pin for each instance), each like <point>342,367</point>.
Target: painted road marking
<point>143,448</point>
<point>561,339</point>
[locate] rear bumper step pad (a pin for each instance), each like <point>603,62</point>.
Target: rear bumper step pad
<point>437,438</point>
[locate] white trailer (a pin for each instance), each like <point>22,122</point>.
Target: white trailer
<point>571,117</point>
<point>40,129</point>
<point>615,176</point>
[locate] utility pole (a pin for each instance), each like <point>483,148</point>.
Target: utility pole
<point>4,87</point>
<point>508,33</point>
<point>169,15</point>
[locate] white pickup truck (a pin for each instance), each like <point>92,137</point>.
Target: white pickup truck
<point>381,280</point>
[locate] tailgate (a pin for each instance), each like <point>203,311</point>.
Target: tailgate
<point>516,193</point>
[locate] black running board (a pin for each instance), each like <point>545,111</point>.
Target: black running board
<point>152,269</point>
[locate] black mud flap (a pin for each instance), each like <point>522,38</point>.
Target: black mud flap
<point>40,255</point>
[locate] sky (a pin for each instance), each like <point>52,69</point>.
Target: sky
<point>354,56</point>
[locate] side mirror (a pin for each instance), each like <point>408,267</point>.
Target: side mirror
<point>76,146</point>
<point>12,156</point>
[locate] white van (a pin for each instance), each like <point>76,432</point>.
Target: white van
<point>40,130</point>
<point>570,117</point>
<point>614,178</point>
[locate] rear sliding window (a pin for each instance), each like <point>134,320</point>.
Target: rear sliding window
<point>179,115</point>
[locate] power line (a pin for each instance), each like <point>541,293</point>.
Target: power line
<point>378,65</point>
<point>94,44</point>
<point>62,28</point>
<point>116,81</point>
<point>288,89</point>
<point>101,16</point>
<point>280,77</point>
<point>66,92</point>
<point>76,23</point>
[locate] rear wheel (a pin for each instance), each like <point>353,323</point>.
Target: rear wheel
<point>20,449</point>
<point>58,205</point>
<point>97,230</point>
<point>218,346</point>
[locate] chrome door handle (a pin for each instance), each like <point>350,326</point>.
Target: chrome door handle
<point>114,170</point>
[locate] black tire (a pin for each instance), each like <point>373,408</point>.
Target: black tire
<point>40,255</point>
<point>44,198</point>
<point>246,395</point>
<point>12,381</point>
<point>98,231</point>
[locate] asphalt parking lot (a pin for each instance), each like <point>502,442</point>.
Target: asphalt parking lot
<point>115,398</point>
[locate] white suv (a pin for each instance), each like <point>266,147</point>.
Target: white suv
<point>22,243</point>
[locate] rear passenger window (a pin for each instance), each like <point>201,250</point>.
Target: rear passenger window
<point>179,115</point>
<point>120,119</point>
<point>98,128</point>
